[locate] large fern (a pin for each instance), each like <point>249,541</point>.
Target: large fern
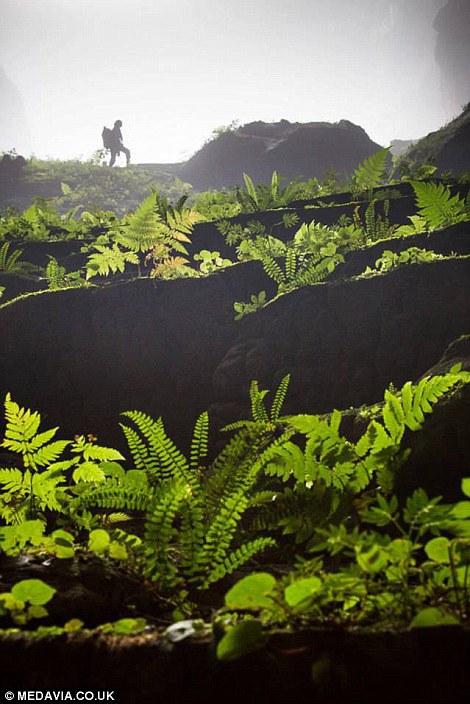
<point>144,227</point>
<point>438,206</point>
<point>370,172</point>
<point>207,502</point>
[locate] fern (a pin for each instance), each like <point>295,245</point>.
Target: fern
<point>55,274</point>
<point>237,558</point>
<point>258,410</point>
<point>58,278</point>
<point>159,531</point>
<point>261,417</point>
<point>298,512</point>
<point>370,172</point>
<point>169,461</point>
<point>279,398</point>
<point>21,437</point>
<point>12,263</point>
<point>113,496</point>
<point>437,206</point>
<point>108,260</point>
<point>251,192</point>
<point>199,443</point>
<point>144,228</point>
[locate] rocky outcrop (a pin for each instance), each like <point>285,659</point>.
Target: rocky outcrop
<point>452,24</point>
<point>448,148</point>
<point>295,150</point>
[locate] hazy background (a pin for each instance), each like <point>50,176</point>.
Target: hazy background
<point>173,71</point>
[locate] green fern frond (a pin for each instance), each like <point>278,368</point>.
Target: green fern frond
<point>220,532</point>
<point>273,270</point>
<point>291,264</point>
<point>142,458</point>
<point>159,530</point>
<point>55,274</point>
<point>107,260</point>
<point>437,205</point>
<point>279,398</point>
<point>21,436</point>
<point>288,461</point>
<point>144,227</point>
<point>11,479</point>
<point>251,190</point>
<point>371,171</point>
<point>166,461</point>
<point>199,443</point>
<point>237,558</point>
<point>113,497</point>
<point>275,185</point>
<point>258,409</point>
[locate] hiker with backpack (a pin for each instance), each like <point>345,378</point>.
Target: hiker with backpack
<point>112,140</point>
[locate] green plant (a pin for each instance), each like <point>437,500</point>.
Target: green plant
<point>39,485</point>
<point>107,260</point>
<point>264,197</point>
<point>257,301</point>
<point>192,512</point>
<point>370,172</point>
<point>317,478</point>
<point>12,264</point>
<point>309,258</point>
<point>26,600</point>
<point>210,261</point>
<point>437,206</point>
<point>388,260</point>
<point>58,278</point>
<point>403,573</point>
<point>155,229</point>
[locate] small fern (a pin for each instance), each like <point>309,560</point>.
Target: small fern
<point>21,436</point>
<point>107,260</point>
<point>12,263</point>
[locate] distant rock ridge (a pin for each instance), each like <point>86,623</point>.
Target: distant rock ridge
<point>294,149</point>
<point>448,148</point>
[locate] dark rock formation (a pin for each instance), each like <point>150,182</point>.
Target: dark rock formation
<point>295,150</point>
<point>173,349</point>
<point>448,148</point>
<point>452,24</point>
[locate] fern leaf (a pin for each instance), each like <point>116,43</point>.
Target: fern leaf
<point>370,172</point>
<point>279,398</point>
<point>251,189</point>
<point>144,227</point>
<point>159,529</point>
<point>275,183</point>
<point>258,409</point>
<point>112,496</point>
<point>237,558</point>
<point>11,479</point>
<point>393,416</point>
<point>437,205</point>
<point>273,270</point>
<point>199,443</point>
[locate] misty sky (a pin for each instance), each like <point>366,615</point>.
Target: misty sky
<point>173,70</point>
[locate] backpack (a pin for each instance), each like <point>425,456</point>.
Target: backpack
<point>108,138</point>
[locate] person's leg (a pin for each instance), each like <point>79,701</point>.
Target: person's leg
<point>127,153</point>
<point>113,158</point>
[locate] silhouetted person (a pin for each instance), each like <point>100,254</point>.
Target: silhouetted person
<point>116,145</point>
